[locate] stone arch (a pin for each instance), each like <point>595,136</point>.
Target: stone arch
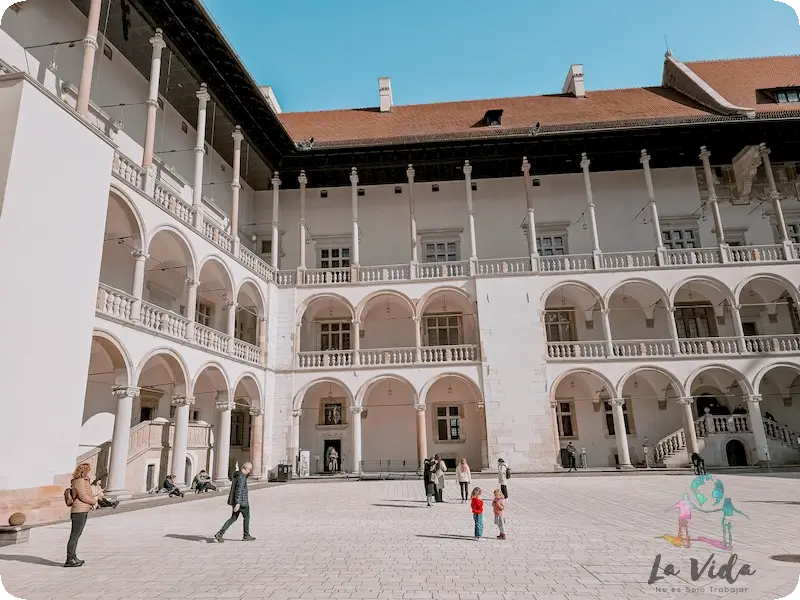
<point>638,281</point>
<point>776,279</point>
<point>212,365</point>
<point>186,247</point>
<point>767,368</point>
<point>743,381</point>
<point>249,282</point>
<point>610,387</point>
<point>175,365</point>
<point>393,293</point>
<point>120,359</point>
<point>253,381</point>
<point>297,402</point>
<point>134,215</point>
<point>304,305</point>
<point>712,282</point>
<point>676,383</point>
<point>579,284</point>
<point>422,303</point>
<point>423,395</point>
<point>362,391</point>
<point>230,286</point>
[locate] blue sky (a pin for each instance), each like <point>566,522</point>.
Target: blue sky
<point>321,55</point>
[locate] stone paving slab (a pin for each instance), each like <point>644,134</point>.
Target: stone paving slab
<point>569,538</point>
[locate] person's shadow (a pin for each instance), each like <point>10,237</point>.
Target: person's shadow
<point>33,560</point>
<point>447,537</point>
<point>191,538</point>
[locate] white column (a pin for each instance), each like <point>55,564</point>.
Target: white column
<point>257,446</point>
<point>412,214</point>
<point>236,186</point>
<point>180,442</point>
<point>714,202</point>
<point>620,432</point>
<point>89,50</point>
<point>688,425</point>
<point>531,221</point>
<point>191,307</point>
<point>199,155</point>
<point>484,435</point>
<point>356,337</point>
<point>276,211</point>
<point>354,263</point>
<point>303,180</point>
<point>607,332</point>
<point>587,184</point>
<point>417,341</point>
<point>422,434</point>
<point>295,448</point>
<point>140,261</point>
<point>222,442</point>
<point>673,331</point>
<point>120,441</point>
<point>473,249</point>
<point>654,221</point>
<point>775,198</point>
<point>737,328</point>
<point>262,335</point>
<point>757,425</point>
<point>356,410</point>
<point>158,44</point>
<point>556,438</point>
<point>230,330</point>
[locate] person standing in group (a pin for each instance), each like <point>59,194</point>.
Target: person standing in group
<point>427,478</point>
<point>441,469</point>
<point>499,507</point>
<point>80,500</point>
<point>239,499</point>
<point>572,456</point>
<point>464,478</point>
<point>477,512</point>
<point>503,475</point>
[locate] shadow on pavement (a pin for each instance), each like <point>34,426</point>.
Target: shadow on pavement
<point>191,538</point>
<point>33,560</point>
<point>447,537</point>
<point>772,502</point>
<point>399,505</point>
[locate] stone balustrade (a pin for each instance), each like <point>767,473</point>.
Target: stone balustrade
<point>332,359</point>
<point>164,321</point>
<point>114,302</point>
<point>211,338</point>
<point>384,273</point>
<point>387,356</point>
<point>248,352</point>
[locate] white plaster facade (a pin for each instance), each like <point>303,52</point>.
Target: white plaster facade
<point>200,355</point>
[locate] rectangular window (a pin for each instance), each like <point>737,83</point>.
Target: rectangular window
<point>266,247</point>
<point>790,96</point>
<point>679,238</point>
<point>204,313</point>
<point>108,52</point>
<point>448,423</point>
<point>334,335</point>
<point>694,322</point>
<point>566,419</point>
<point>333,413</point>
<point>237,428</point>
<point>443,330</point>
<point>334,258</point>
<point>559,325</point>
<point>552,245</point>
<point>794,232</point>
<point>610,417</point>
<point>444,251</point>
<point>194,415</point>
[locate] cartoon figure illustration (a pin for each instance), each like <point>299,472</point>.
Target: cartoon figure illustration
<point>684,506</point>
<point>719,492</point>
<point>728,509</point>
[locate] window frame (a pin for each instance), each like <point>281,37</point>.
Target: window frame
<point>205,318</point>
<point>448,419</point>
<point>439,237</point>
<point>710,315</point>
<point>332,402</point>
<point>238,423</point>
<point>324,328</point>
<point>608,417</point>
<point>459,326</point>
<point>570,324</point>
<point>571,415</point>
<point>550,231</point>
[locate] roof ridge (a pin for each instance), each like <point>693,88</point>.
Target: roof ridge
<point>740,58</point>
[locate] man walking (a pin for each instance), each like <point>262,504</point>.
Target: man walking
<point>238,499</point>
<point>572,454</point>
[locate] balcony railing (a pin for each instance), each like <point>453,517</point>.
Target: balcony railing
<point>332,359</point>
<point>721,346</point>
<point>119,305</point>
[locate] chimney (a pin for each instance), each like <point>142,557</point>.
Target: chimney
<point>385,93</point>
<point>271,99</point>
<point>574,82</point>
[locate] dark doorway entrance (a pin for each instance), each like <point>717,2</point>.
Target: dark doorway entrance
<point>332,446</point>
<point>188,472</point>
<point>737,455</point>
<point>704,401</point>
<point>151,477</point>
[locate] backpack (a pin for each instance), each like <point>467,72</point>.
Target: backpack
<point>68,499</point>
<point>508,473</point>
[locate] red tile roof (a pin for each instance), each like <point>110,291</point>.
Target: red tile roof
<point>736,80</point>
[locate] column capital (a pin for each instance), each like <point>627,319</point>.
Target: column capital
<point>256,411</point>
<point>230,303</point>
<point>705,154</point>
<point>202,94</point>
<point>151,102</point>
<point>467,169</point>
<point>526,166</point>
<point>685,400</point>
<point>410,173</point>
<point>763,150</point>
<point>420,408</point>
<point>617,401</point>
<point>585,162</point>
<point>754,398</point>
<point>416,319</point>
<point>224,405</point>
<point>276,181</point>
<point>192,282</point>
<point>354,176</point>
<point>236,185</point>
<point>356,410</point>
<point>261,319</point>
<point>158,41</point>
<point>90,41</point>
<point>139,254</point>
<point>182,401</point>
<point>297,413</point>
<point>126,391</point>
<point>553,403</point>
<point>645,158</point>
<point>355,322</point>
<point>237,135</point>
<point>302,179</point>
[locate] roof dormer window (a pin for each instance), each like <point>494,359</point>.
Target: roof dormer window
<point>788,95</point>
<point>493,117</point>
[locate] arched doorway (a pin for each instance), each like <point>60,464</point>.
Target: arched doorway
<point>736,453</point>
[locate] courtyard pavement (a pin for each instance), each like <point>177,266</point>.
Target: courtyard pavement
<point>568,537</point>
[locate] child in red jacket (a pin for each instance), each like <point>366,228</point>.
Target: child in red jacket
<point>477,512</point>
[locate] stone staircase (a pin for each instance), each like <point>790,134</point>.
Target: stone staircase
<point>714,430</point>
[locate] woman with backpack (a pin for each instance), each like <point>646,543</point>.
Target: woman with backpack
<point>503,475</point>
<point>80,500</point>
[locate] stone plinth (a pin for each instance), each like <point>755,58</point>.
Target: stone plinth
<point>10,536</point>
